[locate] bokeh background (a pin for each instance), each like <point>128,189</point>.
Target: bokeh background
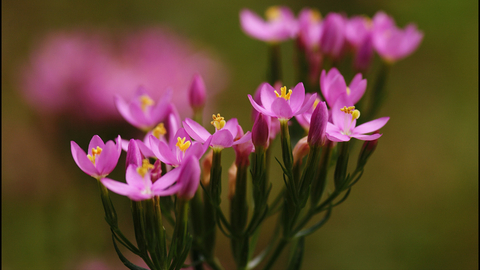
<point>416,206</point>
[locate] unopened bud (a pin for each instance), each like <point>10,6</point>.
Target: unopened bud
<point>206,166</point>
<point>367,149</point>
<point>318,125</point>
<point>232,180</point>
<point>197,93</point>
<point>300,150</point>
<point>261,131</point>
<point>134,156</point>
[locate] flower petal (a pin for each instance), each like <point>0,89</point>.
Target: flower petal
<point>371,126</point>
<point>134,179</point>
<point>231,126</point>
<point>281,109</point>
<point>259,108</point>
<point>119,187</point>
<point>253,25</point>
<point>222,138</point>
<point>357,88</point>
<point>195,130</point>
<point>124,110</point>
<point>267,96</point>
<point>308,104</point>
<point>297,97</point>
<point>245,138</point>
<point>82,160</point>
<point>94,142</point>
<point>167,180</point>
<point>107,160</point>
<point>162,151</point>
<point>336,136</point>
<point>367,137</point>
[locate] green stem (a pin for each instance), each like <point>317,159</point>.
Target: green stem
<point>281,245</point>
<point>214,188</point>
<point>274,72</point>
<point>378,92</point>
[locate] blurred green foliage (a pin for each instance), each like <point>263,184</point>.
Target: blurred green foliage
<point>416,206</point>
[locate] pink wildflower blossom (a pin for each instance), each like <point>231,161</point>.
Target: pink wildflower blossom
<point>280,25</point>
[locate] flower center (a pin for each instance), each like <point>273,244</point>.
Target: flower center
<point>351,110</point>
<point>159,131</point>
<point>348,91</point>
<point>182,144</point>
<point>284,93</point>
<point>218,121</point>
<point>95,152</point>
<point>144,168</point>
<point>315,15</point>
<point>146,101</point>
<point>272,13</point>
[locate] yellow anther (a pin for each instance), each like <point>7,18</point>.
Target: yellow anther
<point>284,93</point>
<point>351,110</point>
<point>146,101</point>
<point>182,144</point>
<point>315,15</point>
<point>348,91</point>
<point>218,121</point>
<point>316,103</point>
<point>159,130</point>
<point>95,152</point>
<point>272,13</point>
<point>368,22</point>
<point>145,167</point>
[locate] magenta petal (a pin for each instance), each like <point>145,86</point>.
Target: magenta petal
<point>367,137</point>
<point>94,142</point>
<point>222,138</point>
<point>308,104</point>
<point>181,133</point>
<point>167,180</point>
<point>162,151</point>
<point>138,115</point>
<point>196,149</point>
<point>371,126</point>
<point>82,160</point>
<point>245,138</point>
<point>336,136</point>
<point>253,25</point>
<point>297,97</point>
<point>259,108</point>
<point>189,177</point>
<point>267,96</point>
<point>357,88</point>
<point>107,160</point>
<point>281,109</point>
<point>119,187</point>
<point>231,126</point>
<point>146,151</point>
<point>124,110</point>
<point>167,192</point>
<point>134,179</point>
<point>195,130</point>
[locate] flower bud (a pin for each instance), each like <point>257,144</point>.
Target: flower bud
<point>261,131</point>
<point>134,156</point>
<point>197,93</point>
<point>189,177</point>
<point>242,150</point>
<point>300,150</point>
<point>318,125</point>
<point>333,37</point>
<point>367,149</point>
<point>206,166</point>
<point>232,180</point>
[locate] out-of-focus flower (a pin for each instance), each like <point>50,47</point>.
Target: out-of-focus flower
<point>392,43</point>
<point>102,157</point>
<point>197,93</point>
<point>225,132</point>
<point>333,87</point>
<point>176,151</point>
<point>358,33</point>
<point>333,35</point>
<point>77,73</point>
<point>283,105</point>
<point>310,28</point>
<point>139,184</point>
<point>344,121</point>
<point>142,111</point>
<point>279,26</point>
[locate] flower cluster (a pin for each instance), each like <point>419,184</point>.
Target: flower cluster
<point>164,171</point>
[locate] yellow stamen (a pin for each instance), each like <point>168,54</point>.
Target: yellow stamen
<point>272,13</point>
<point>146,101</point>
<point>348,91</point>
<point>182,144</point>
<point>144,168</point>
<point>315,15</point>
<point>316,103</point>
<point>159,130</point>
<point>218,121</point>
<point>351,110</point>
<point>284,93</point>
<point>95,152</point>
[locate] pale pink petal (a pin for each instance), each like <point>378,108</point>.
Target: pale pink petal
<point>82,160</point>
<point>254,25</point>
<point>336,136</point>
<point>367,137</point>
<point>281,109</point>
<point>245,138</point>
<point>231,126</point>
<point>195,130</point>
<point>124,110</point>
<point>308,104</point>
<point>259,108</point>
<point>138,115</point>
<point>357,88</point>
<point>146,151</point>
<point>222,138</point>
<point>196,149</point>
<point>119,187</point>
<point>107,160</point>
<point>94,142</point>
<point>162,151</point>
<point>297,97</point>
<point>165,181</point>
<point>267,96</point>
<point>134,179</point>
<point>371,126</point>
<point>167,192</point>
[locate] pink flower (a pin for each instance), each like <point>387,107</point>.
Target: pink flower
<point>177,150</point>
<point>225,132</point>
<point>280,25</point>
<point>143,112</point>
<point>197,93</point>
<point>333,35</point>
<point>333,87</point>
<point>358,33</point>
<point>304,118</point>
<point>310,28</point>
<point>273,123</point>
<point>283,105</point>
<point>392,43</point>
<point>243,150</point>
<point>344,121</point>
<point>102,157</point>
<point>139,184</point>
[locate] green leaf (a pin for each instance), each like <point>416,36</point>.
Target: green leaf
<point>315,227</point>
<point>296,257</point>
<point>124,260</point>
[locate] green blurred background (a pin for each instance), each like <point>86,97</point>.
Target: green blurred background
<point>416,206</point>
